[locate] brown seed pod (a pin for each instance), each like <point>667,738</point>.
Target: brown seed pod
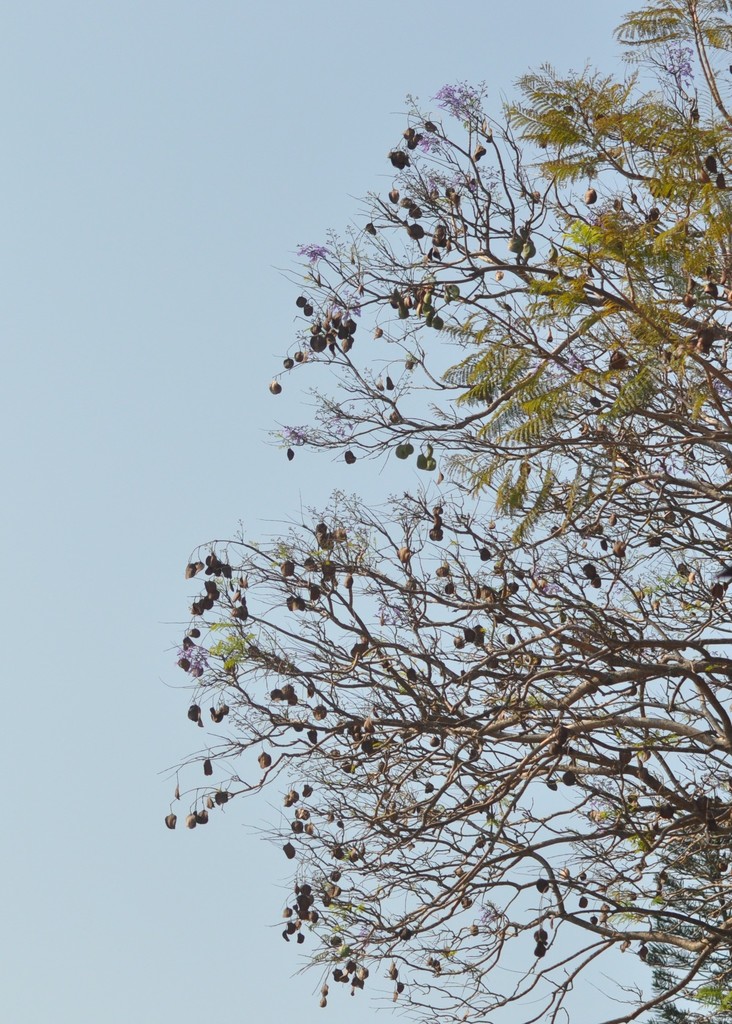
<point>171,820</point>
<point>590,196</point>
<point>704,339</point>
<point>207,767</point>
<point>404,555</point>
<point>265,760</point>
<point>288,567</point>
<point>192,569</point>
<point>370,229</point>
<point>289,850</point>
<point>275,387</point>
<point>618,360</point>
<point>542,884</point>
<point>399,159</point>
<point>415,231</point>
<point>191,821</point>
<point>349,457</point>
<point>194,714</point>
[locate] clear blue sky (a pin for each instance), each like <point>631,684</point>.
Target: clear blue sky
<point>159,161</point>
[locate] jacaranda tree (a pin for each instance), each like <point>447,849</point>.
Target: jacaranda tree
<point>498,708</point>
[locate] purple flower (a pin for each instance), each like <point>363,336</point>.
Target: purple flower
<point>352,305</point>
<point>312,252</point>
<point>574,363</point>
<point>460,100</point>
<point>194,657</point>
<point>294,435</point>
<point>489,914</point>
<point>676,62</point>
<point>549,589</point>
<point>429,143</point>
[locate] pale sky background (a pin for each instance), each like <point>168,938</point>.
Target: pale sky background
<point>159,161</point>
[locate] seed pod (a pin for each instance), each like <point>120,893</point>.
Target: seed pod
<point>618,360</point>
<point>704,339</point>
<point>289,850</point>
<point>265,760</point>
<point>370,229</point>
<point>275,387</point>
<point>207,767</point>
<point>542,885</point>
<point>194,714</point>
<point>399,159</point>
<point>590,196</point>
<point>439,237</point>
<point>191,821</point>
<point>394,196</point>
<point>171,820</point>
<point>479,152</point>
<point>349,457</point>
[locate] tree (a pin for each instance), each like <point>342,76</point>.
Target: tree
<point>498,706</point>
